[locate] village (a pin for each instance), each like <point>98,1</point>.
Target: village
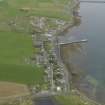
<point>45,44</point>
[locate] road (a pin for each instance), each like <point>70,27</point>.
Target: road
<point>45,101</point>
<point>63,67</point>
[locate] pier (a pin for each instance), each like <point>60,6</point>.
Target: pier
<point>92,1</point>
<point>76,41</point>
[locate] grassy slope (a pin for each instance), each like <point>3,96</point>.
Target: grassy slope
<point>47,8</point>
<point>72,100</point>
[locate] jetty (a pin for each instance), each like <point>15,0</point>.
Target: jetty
<point>63,40</point>
<point>93,1</point>
<point>76,41</point>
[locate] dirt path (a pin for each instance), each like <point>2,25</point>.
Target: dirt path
<point>8,89</point>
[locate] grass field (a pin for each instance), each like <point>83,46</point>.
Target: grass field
<point>14,48</point>
<point>46,8</point>
<point>25,74</point>
<point>72,100</point>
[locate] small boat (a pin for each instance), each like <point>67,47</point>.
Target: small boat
<point>84,40</point>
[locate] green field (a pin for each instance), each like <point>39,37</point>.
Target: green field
<point>46,8</point>
<point>24,74</point>
<point>14,49</point>
<point>72,100</point>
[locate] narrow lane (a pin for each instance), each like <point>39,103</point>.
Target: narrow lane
<point>45,101</point>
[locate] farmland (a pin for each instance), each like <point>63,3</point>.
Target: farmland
<point>45,8</point>
<point>14,49</point>
<point>7,89</point>
<point>16,45</point>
